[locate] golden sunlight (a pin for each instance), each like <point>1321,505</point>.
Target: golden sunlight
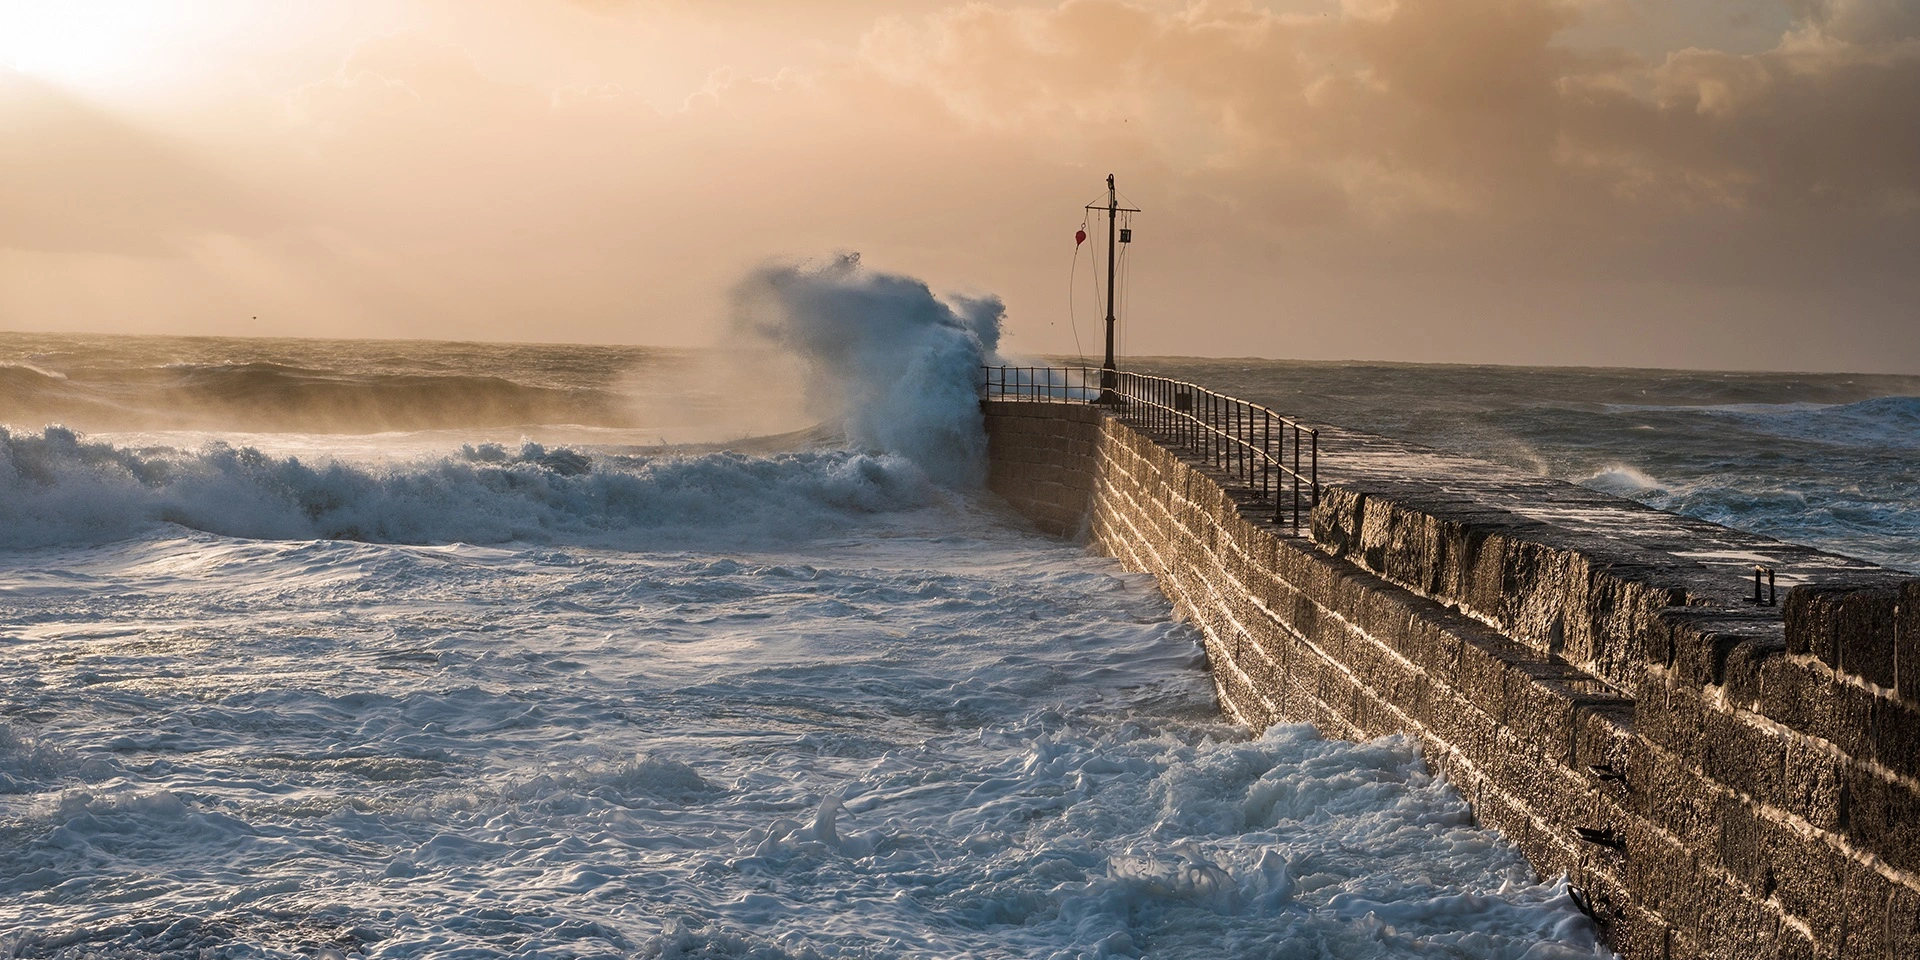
<point>89,44</point>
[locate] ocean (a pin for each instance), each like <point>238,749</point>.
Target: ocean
<point>408,649</point>
<point>1826,460</point>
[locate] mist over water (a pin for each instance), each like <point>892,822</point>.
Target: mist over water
<point>424,678</point>
<point>102,383</point>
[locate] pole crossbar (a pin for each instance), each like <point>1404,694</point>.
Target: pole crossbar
<point>1246,444</point>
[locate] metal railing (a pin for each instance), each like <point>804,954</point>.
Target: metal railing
<point>1262,450</point>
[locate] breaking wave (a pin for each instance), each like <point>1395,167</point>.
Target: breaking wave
<point>1622,480</point>
<point>58,488</point>
<point>891,362</point>
<point>260,396</point>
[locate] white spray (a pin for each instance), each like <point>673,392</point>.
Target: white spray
<point>894,364</point>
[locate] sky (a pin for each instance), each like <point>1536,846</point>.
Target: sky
<point>1729,184</point>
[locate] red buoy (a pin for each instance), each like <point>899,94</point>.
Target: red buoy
<point>1079,237</point>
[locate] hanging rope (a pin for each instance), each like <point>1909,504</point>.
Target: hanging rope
<point>1093,271</point>
<point>1121,288</point>
<point>1073,318</point>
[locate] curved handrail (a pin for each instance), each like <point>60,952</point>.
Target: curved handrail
<point>1247,441</point>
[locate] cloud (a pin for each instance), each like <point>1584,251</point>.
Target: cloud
<point>1465,106</point>
<point>1440,179</point>
<point>1860,21</point>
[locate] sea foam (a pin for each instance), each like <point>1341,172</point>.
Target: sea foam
<point>59,488</point>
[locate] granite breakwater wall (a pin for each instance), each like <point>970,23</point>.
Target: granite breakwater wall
<point>1716,778</point>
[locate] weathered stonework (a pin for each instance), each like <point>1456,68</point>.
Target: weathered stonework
<point>1716,779</point>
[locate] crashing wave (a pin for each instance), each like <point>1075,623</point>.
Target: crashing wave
<point>59,488</point>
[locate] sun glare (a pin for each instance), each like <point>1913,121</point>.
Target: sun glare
<point>87,43</point>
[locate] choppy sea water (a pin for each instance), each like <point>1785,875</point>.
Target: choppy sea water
<point>367,673</point>
<point>1827,460</point>
<point>910,731</point>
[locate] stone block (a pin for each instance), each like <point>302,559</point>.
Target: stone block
<point>1482,570</point>
<point>1263,588</point>
<point>1743,671</point>
<point>1282,647</point>
<point>1337,691</point>
<point>1373,715</point>
<point>1383,615</point>
<point>1869,899</point>
<point>1518,766</point>
<point>1461,725</point>
<point>1330,635</point>
<point>1671,795</point>
<point>1896,736</point>
<point>1840,713</point>
<point>1481,676</point>
<point>1603,743</point>
<point>1303,696</point>
<point>1292,564</point>
<point>1662,873</point>
<point>1791,693</point>
<point>1545,713</point>
<point>1906,655</point>
<point>1732,924</point>
<point>1813,784</point>
<point>1438,644</point>
<point>1882,818</point>
<point>1637,932</point>
<point>1744,845</point>
<point>1253,708</point>
<point>1903,922</point>
<point>1619,609</point>
<point>1700,656</point>
<point>1235,565</point>
<point>1807,877</point>
<point>1741,755</point>
<point>1657,645</point>
<point>1671,718</point>
<point>1413,695</point>
<point>1262,671</point>
<point>1849,628</point>
<point>1867,641</point>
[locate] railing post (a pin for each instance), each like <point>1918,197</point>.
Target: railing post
<point>1316,467</point>
<point>1252,466</point>
<point>1213,436</point>
<point>1266,432</point>
<point>1280,450</point>
<point>1246,444</point>
<point>1233,437</point>
<point>1296,479</point>
<point>1213,440</point>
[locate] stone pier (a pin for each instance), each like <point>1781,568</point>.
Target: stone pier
<point>1717,778</point>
